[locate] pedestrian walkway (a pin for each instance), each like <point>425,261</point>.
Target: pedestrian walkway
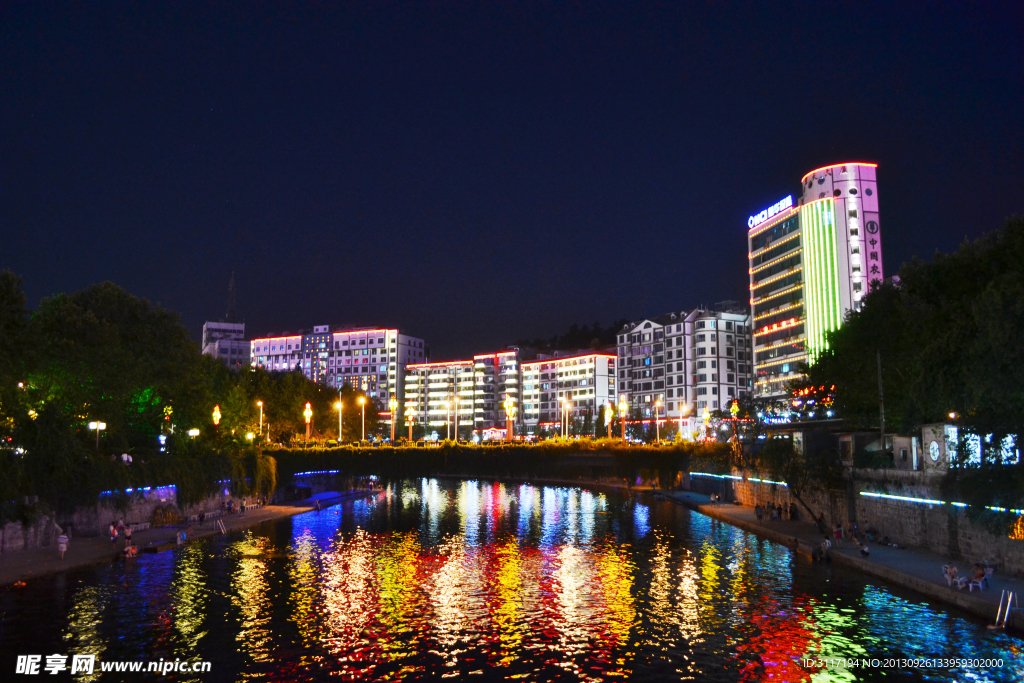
<point>914,568</point>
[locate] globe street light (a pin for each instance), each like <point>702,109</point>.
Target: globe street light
<point>623,412</point>
<point>193,433</point>
<point>260,404</point>
<point>340,408</point>
<point>216,415</point>
<point>97,427</point>
<point>362,402</point>
<point>393,405</point>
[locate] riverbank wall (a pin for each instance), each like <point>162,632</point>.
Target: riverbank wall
<point>904,506</point>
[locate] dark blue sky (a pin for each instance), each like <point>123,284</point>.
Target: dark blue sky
<point>476,173</point>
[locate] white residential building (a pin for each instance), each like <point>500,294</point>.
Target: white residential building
<point>687,360</point>
<point>469,392</point>
<point>578,383</point>
<point>371,360</point>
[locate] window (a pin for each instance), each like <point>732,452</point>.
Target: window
<point>836,193</point>
<point>868,192</point>
<point>730,378</point>
<point>701,364</point>
<point>853,213</point>
<point>853,190</point>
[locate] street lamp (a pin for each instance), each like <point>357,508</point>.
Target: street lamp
<point>260,404</point>
<point>447,420</point>
<point>657,421</point>
<point>362,402</point>
<point>340,408</point>
<point>735,410</point>
<point>510,415</point>
<point>216,415</point>
<point>565,418</point>
<point>410,419</point>
<point>193,433</point>
<point>608,410</point>
<point>623,412</point>
<point>308,414</point>
<point>97,427</point>
<point>250,436</point>
<point>393,405</point>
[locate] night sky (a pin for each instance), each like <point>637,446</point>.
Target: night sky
<point>474,173</point>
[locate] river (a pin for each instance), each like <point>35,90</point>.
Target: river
<point>476,580</point>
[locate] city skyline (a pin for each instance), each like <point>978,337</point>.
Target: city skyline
<point>502,172</point>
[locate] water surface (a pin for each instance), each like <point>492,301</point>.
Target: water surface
<point>487,581</point>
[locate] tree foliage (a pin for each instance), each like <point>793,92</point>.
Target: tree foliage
<point>949,336</point>
<point>103,355</point>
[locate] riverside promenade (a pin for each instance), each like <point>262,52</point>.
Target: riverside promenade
<point>21,565</point>
<point>917,569</point>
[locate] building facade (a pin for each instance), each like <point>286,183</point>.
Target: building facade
<point>371,360</point>
<point>226,341</point>
<point>811,262</point>
<point>469,394</point>
<point>688,361</point>
<point>578,384</point>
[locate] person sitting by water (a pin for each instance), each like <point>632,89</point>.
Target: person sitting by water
<point>978,575</point>
<point>181,536</point>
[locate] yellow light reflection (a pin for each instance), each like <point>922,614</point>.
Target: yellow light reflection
<point>249,582</point>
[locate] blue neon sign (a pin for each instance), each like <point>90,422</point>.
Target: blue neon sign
<point>772,210</point>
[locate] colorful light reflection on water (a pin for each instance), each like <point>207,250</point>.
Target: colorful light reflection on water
<point>434,580</point>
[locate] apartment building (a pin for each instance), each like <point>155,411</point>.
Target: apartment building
<point>372,359</point>
<point>468,393</point>
<point>578,384</point>
<point>687,360</point>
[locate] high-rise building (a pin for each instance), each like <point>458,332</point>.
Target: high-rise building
<point>226,341</point>
<point>468,392</point>
<point>687,360</point>
<point>575,383</point>
<point>811,262</point>
<point>371,360</point>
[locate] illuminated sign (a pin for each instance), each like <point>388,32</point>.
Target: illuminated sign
<point>772,210</point>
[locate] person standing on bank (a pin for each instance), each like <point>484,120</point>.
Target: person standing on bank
<point>62,544</point>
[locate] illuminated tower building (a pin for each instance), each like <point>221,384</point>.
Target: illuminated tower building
<point>811,262</point>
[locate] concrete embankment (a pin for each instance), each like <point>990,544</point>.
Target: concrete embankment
<point>31,563</point>
<point>915,569</point>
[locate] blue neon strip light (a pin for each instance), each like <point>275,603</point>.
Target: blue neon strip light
<point>929,501</point>
<point>303,474</point>
<point>737,478</point>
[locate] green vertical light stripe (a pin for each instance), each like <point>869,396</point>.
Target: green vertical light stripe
<point>821,283</point>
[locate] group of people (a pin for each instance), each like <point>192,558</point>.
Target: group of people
<point>977,575</point>
<point>228,507</point>
<point>119,528</point>
<point>772,513</point>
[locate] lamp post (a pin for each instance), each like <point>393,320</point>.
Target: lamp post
<point>565,418</point>
<point>308,414</point>
<point>410,419</point>
<point>260,404</point>
<point>193,433</point>
<point>341,409</point>
<point>609,409</point>
<point>706,416</point>
<point>216,419</point>
<point>623,412</point>
<point>393,405</point>
<point>362,402</point>
<point>447,420</point>
<point>684,414</point>
<point>97,427</point>
<point>510,415</point>
<point>455,408</point>
<point>657,421</point>
<point>735,410</point>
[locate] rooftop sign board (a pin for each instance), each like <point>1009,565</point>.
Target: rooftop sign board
<point>771,211</point>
